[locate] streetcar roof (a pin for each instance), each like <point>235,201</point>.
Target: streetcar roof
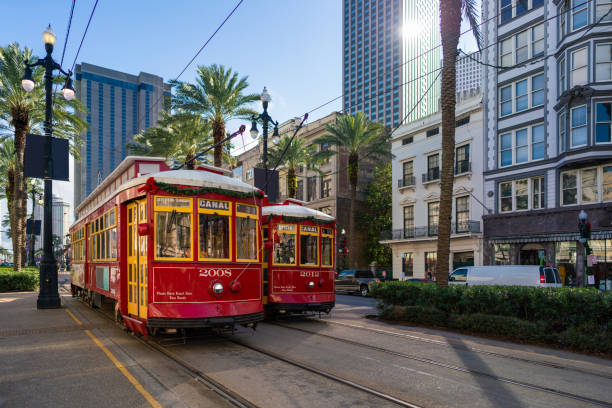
<point>194,178</point>
<point>292,210</point>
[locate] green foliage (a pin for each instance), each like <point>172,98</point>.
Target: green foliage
<point>377,217</point>
<point>565,316</point>
<point>26,280</point>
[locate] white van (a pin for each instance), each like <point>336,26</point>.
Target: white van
<point>519,275</point>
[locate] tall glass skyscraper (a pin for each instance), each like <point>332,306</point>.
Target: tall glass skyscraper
<point>119,105</point>
<point>385,61</point>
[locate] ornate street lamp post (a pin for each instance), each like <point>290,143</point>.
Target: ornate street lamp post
<point>265,119</point>
<point>48,297</point>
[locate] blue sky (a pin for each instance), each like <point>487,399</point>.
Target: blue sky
<point>291,46</point>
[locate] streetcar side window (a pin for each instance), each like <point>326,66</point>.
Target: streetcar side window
<point>327,247</point>
<point>246,232</point>
<point>173,228</point>
<point>309,245</point>
<point>284,244</point>
<point>214,230</point>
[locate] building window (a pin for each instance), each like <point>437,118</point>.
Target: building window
<point>249,174</point>
<point>586,186</point>
<point>562,132</point>
<point>603,122</point>
<point>462,215</point>
<point>521,47</point>
<point>407,264</point>
<point>326,210</point>
<point>561,76</point>
<point>409,221</point>
<point>562,13</point>
<point>299,192</point>
<point>603,60</point>
<point>433,213</point>
<point>407,140</point>
<point>430,264</point>
<point>579,126</point>
<point>407,174</point>
<point>433,132</point>
<point>603,11</point>
<point>522,145</point>
<point>325,187</point>
<point>515,195</point>
<point>462,121</point>
<point>433,168</point>
<point>462,157</point>
<point>526,93</point>
<point>510,9</point>
<point>579,14</point>
<point>579,70</point>
<point>311,188</point>
<point>569,190</point>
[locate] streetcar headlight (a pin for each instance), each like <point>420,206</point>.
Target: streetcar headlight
<point>311,285</point>
<point>217,288</point>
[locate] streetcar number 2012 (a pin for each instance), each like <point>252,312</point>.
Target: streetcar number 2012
<point>309,274</point>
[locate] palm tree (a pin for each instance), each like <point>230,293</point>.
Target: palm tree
<point>359,138</point>
<point>21,112</point>
<point>218,96</point>
<point>179,138</point>
<point>450,31</point>
<point>296,155</point>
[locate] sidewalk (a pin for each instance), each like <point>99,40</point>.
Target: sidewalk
<point>74,357</point>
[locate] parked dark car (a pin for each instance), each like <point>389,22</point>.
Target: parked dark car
<point>355,281</point>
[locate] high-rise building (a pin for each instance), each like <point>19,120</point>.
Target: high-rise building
<point>468,73</point>
<point>60,221</point>
<point>119,105</point>
<point>389,53</point>
<point>548,153</point>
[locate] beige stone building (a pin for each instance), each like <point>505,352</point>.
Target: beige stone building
<point>329,193</point>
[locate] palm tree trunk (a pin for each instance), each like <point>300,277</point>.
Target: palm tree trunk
<point>218,127</point>
<point>291,183</point>
<point>353,170</point>
<point>20,120</point>
<point>190,164</point>
<point>10,188</point>
<point>450,25</point>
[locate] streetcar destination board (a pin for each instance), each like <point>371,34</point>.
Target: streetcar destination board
<point>215,205</point>
<point>306,228</point>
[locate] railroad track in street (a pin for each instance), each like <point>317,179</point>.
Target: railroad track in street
<point>467,348</point>
<point>454,367</point>
<point>203,379</point>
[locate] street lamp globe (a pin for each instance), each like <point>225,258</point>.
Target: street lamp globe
<point>27,82</point>
<point>48,36</point>
<point>265,96</point>
<point>254,131</point>
<point>68,90</point>
<point>582,216</point>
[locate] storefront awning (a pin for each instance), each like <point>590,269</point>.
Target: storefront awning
<point>549,238</point>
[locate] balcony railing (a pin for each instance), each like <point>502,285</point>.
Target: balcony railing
<point>463,166</point>
<point>430,231</point>
<point>431,175</point>
<point>406,181</point>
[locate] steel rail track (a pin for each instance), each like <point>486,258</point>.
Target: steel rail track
<point>327,375</point>
<point>472,349</point>
<point>224,392</point>
<point>456,368</point>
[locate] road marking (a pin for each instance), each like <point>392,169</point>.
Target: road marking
<point>120,366</point>
<point>74,317</point>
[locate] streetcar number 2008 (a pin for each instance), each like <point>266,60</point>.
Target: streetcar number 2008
<point>307,274</point>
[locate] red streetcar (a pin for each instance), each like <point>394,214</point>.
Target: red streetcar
<point>171,248</point>
<point>298,264</point>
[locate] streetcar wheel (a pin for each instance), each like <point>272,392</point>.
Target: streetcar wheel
<point>364,290</point>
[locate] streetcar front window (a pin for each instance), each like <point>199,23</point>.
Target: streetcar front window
<point>284,245</point>
<point>246,232</point>
<point>309,245</point>
<point>214,236</point>
<point>173,235</point>
<point>327,250</point>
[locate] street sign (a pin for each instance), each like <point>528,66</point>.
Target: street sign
<point>35,224</point>
<point>35,157</point>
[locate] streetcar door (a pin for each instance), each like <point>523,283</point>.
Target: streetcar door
<point>142,261</point>
<point>132,258</point>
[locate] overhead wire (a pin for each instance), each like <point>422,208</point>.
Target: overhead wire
<point>93,10</point>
